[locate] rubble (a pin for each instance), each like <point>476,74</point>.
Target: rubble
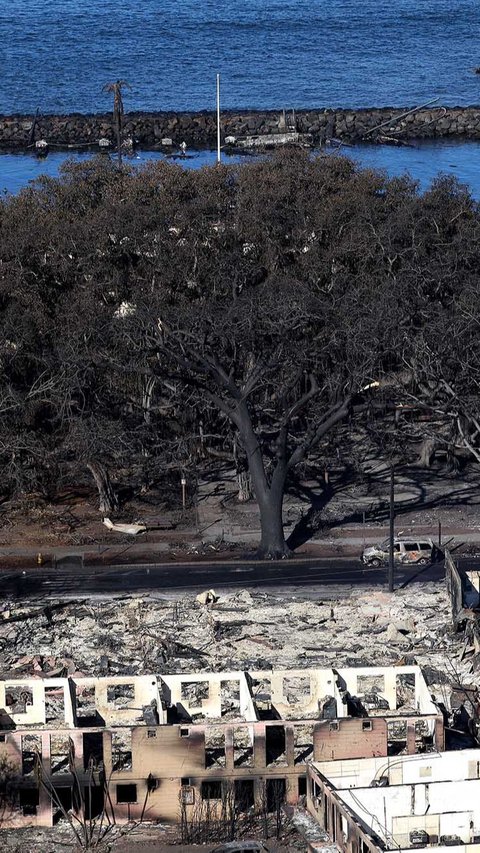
<point>245,630</point>
<point>394,635</point>
<point>207,597</point>
<point>124,635</point>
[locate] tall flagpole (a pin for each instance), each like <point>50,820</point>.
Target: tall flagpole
<point>218,119</point>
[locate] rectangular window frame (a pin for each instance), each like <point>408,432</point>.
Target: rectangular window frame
<point>126,802</point>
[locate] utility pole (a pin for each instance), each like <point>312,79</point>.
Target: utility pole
<point>392,527</point>
<point>219,156</point>
<point>183,483</point>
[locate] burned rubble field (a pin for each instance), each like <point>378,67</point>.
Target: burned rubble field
<point>294,629</point>
<point>242,630</point>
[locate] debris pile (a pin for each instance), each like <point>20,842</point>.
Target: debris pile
<point>255,630</point>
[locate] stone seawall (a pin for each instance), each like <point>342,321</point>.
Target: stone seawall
<point>199,129</point>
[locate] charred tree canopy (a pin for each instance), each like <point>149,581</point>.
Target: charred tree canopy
<point>251,304</point>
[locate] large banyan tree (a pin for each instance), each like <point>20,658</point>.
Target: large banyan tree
<point>268,303</point>
<point>260,300</point>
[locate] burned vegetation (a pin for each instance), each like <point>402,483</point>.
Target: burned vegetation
<point>162,320</point>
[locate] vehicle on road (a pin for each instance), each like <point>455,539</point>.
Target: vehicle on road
<point>406,551</point>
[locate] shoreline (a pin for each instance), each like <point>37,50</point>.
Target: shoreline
<point>160,130</point>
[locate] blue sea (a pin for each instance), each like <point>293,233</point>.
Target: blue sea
<point>57,54</point>
<point>423,161</point>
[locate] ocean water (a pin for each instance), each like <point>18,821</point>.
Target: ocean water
<point>423,162</point>
<point>57,54</point>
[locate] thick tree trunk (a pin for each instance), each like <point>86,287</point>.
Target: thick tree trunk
<point>269,496</point>
<point>272,544</point>
<point>108,500</point>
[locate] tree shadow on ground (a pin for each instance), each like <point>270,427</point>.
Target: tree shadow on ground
<point>310,523</point>
<point>419,480</point>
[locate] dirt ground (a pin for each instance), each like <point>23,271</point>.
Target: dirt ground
<point>214,522</point>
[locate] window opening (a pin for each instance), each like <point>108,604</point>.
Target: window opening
<point>275,746</point>
<point>242,747</point>
<point>54,704</point>
<point>296,690</point>
<point>126,794</point>
<point>275,794</point>
<point>31,753</point>
<point>405,692</point>
<point>215,747</point>
<point>211,789</point>
<point>93,751</point>
<point>396,736</point>
<point>121,750</point>
<point>120,695</point>
<point>302,744</point>
<point>230,698</point>
<point>59,753</point>
<point>195,692</point>
<point>29,801</point>
<point>244,794</point>
<point>18,698</point>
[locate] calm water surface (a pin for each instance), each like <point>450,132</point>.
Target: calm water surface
<point>57,54</point>
<point>423,162</point>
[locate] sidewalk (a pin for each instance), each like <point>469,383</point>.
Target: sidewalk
<point>345,542</point>
<point>215,525</point>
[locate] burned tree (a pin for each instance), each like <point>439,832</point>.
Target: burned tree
<point>116,90</point>
<point>260,318</point>
<point>163,316</point>
<point>108,501</point>
<point>443,353</point>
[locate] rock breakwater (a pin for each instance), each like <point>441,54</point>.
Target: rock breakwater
<point>198,130</point>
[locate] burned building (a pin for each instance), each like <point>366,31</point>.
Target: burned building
<point>151,744</point>
<point>463,586</point>
<point>413,801</point>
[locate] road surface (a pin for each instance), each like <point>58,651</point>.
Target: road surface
<point>70,579</point>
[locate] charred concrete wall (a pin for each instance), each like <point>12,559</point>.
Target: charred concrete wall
<point>199,129</point>
<point>159,765</point>
<point>326,807</point>
<point>191,737</point>
<point>454,586</point>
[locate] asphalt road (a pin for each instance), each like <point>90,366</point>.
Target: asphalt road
<point>70,579</point>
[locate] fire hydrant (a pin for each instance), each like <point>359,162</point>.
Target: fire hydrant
<point>39,559</point>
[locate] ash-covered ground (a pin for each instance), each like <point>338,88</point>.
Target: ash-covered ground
<point>291,629</point>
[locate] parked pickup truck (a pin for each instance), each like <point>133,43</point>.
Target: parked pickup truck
<point>406,550</point>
